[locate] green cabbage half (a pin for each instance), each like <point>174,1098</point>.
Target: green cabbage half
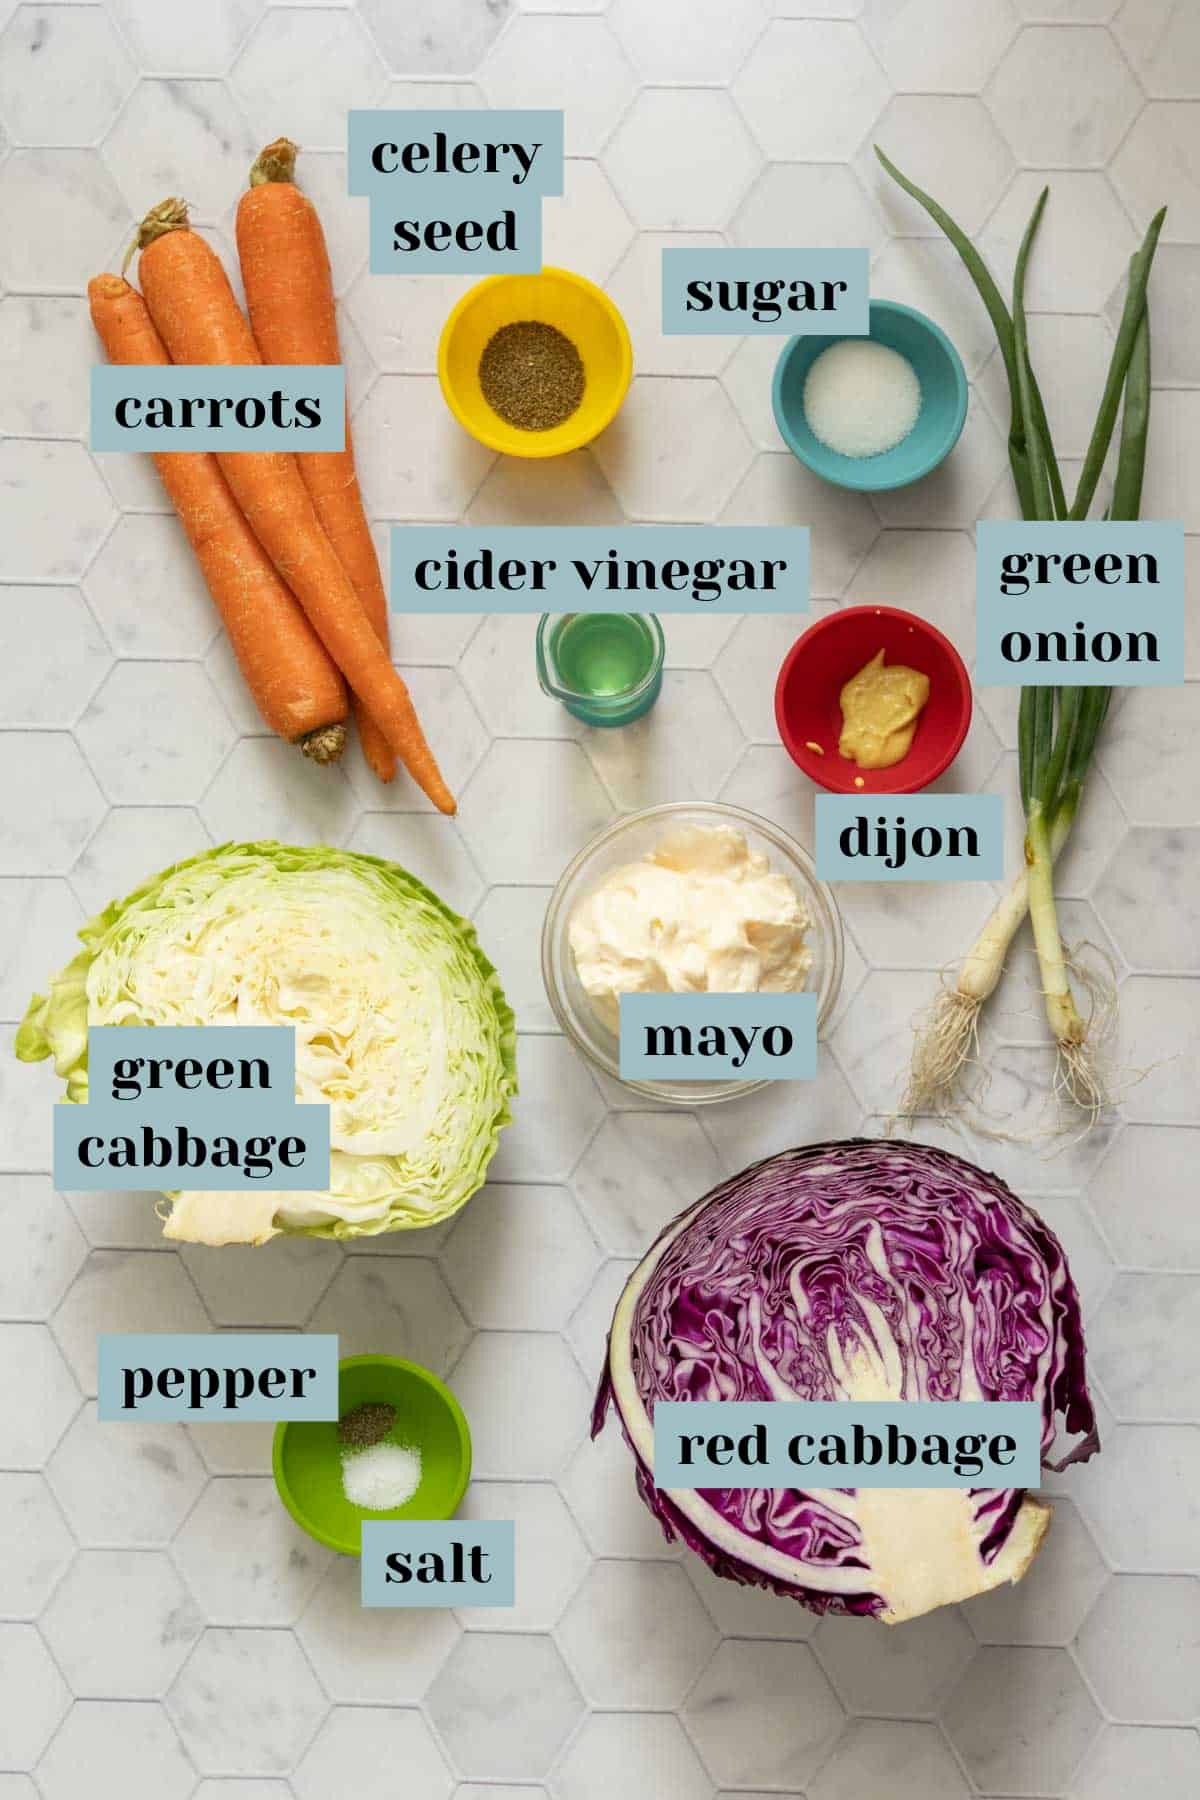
<point>401,1023</point>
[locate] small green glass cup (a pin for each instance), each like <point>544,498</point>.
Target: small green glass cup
<point>605,668</point>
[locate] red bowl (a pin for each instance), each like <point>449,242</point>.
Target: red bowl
<point>817,667</point>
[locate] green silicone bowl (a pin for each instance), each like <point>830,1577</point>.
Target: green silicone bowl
<point>307,1457</point>
<point>939,422</point>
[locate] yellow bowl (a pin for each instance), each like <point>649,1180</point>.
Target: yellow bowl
<point>581,311</point>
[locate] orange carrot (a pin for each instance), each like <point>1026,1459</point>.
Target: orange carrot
<point>289,296</point>
<point>294,683</point>
<point>192,304</point>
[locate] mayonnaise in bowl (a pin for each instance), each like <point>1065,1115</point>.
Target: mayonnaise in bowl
<point>701,911</point>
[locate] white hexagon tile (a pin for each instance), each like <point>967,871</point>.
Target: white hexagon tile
<point>244,1667</point>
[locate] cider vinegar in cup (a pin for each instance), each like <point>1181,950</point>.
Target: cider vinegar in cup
<point>605,668</point>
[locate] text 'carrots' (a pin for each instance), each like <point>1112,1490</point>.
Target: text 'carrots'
<point>193,306</point>
<point>289,296</point>
<point>295,685</point>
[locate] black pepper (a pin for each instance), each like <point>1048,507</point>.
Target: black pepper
<point>532,375</point>
<point>367,1424</point>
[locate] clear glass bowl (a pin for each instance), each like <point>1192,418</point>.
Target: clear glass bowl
<point>627,840</point>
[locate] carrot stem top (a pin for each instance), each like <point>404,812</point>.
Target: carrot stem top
<point>276,163</point>
<point>168,215</point>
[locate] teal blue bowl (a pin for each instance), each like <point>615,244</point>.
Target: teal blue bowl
<point>943,382</point>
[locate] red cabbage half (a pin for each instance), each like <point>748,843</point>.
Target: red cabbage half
<point>869,1270</point>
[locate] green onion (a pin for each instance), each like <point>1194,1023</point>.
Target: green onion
<point>1057,728</point>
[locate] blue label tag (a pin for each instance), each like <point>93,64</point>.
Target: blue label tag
<point>490,152</point>
<point>1088,605</point>
<point>209,407</point>
<point>191,1106</point>
<point>454,236</point>
<point>718,1037</point>
<point>218,1375</point>
<point>455,192</point>
<point>842,1443</point>
<point>910,837</point>
<point>437,1562</point>
<point>599,568</point>
<point>765,293</point>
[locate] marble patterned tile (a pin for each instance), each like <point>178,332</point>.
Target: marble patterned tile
<point>560,60</point>
<point>748,1612</point>
<point>160,1623</point>
<point>1050,1603</point>
<point>322,59</point>
<point>1165,1235</point>
<point>144,559</point>
<point>54,510</point>
<point>44,361</point>
<point>636,1635</point>
<point>40,186</point>
<point>1138,1648</point>
<point>174,40</point>
<point>587,1329</point>
<point>416,462</point>
<point>504,1704</point>
<point>53,655</point>
<point>35,1411</point>
<point>1130,1756</point>
<point>638,1172</point>
<point>78,53</point>
<point>398,1302</point>
<point>498,1249</point>
<point>1159,165</point>
<point>494,1379</point>
<point>1064,98</point>
<point>46,1246</point>
<point>181,137</point>
<point>155,732</point>
<point>684,748</point>
<point>811,90</point>
<point>35,1695</point>
<point>276,1568</point>
<point>246,1702</point>
<point>509,923</point>
<point>366,1748</point>
<point>36,1546</point>
<point>779,490</point>
<point>762,1714</point>
<point>936,46</point>
<point>713,163</point>
<point>116,1750</point>
<point>123,1488</point>
<point>911,1761</point>
<point>554,1115</point>
<point>952,137</point>
<point>551,1557</point>
<point>598,1486</point>
<point>636,287</point>
<point>1141,1498</point>
<point>905,1672</point>
<point>585,229</point>
<point>120,1290</point>
<point>710,451</point>
<point>631,1753</point>
<point>265,789</point>
<point>1021,1720</point>
<point>377,1655</point>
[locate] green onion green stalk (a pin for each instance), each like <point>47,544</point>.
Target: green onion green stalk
<point>1058,727</point>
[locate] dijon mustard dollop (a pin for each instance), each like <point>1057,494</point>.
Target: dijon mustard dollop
<point>880,709</point>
